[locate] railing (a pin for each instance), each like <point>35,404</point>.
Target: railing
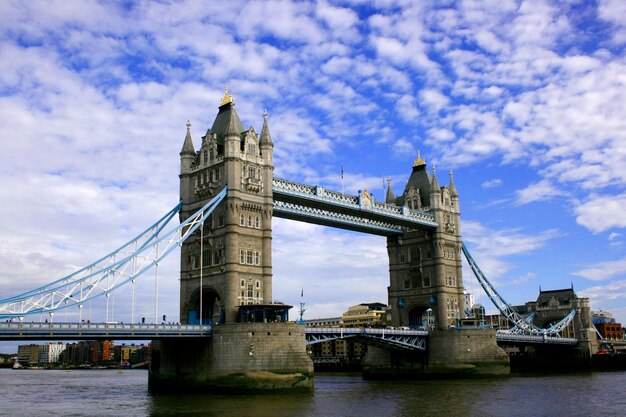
<point>306,195</point>
<point>76,331</point>
<point>352,222</point>
<point>400,338</point>
<point>506,336</point>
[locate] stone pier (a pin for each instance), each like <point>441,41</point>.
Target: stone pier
<point>238,358</point>
<point>450,353</point>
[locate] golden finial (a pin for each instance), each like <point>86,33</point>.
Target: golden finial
<point>419,161</point>
<point>228,98</point>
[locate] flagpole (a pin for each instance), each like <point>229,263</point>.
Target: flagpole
<point>342,179</point>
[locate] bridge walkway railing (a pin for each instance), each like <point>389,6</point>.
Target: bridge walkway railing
<point>84,331</point>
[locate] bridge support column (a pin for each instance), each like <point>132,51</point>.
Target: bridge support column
<point>450,353</point>
<point>238,358</point>
<point>469,352</point>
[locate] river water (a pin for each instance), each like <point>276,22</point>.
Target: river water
<point>109,393</point>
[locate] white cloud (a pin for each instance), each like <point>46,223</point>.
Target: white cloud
<point>496,182</point>
<point>602,212</point>
<point>490,247</point>
<point>539,191</point>
<point>434,99</point>
<point>603,271</point>
<point>403,147</point>
<point>407,108</point>
<point>614,11</point>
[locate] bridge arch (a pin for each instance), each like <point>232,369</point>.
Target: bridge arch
<point>212,307</point>
<point>421,317</point>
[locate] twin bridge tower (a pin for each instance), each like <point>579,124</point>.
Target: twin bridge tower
<point>226,267</point>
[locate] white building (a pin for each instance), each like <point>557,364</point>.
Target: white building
<point>50,352</point>
<point>469,303</point>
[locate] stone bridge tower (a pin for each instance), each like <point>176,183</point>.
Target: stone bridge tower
<point>233,252</point>
<point>426,286</point>
<point>426,290</point>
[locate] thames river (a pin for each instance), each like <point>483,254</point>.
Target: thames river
<point>110,393</point>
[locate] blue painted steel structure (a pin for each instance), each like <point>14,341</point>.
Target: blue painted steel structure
<point>397,338</point>
<point>314,204</point>
<point>291,200</point>
<point>520,324</point>
<point>115,270</point>
<point>94,331</point>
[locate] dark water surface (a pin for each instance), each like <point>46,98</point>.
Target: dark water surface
<point>109,393</point>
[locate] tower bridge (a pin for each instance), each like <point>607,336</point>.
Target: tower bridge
<point>232,334</point>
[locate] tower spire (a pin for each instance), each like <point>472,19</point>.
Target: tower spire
<point>434,184</point>
<point>419,161</point>
<point>188,148</point>
<point>390,198</point>
<point>453,191</point>
<point>228,98</point>
<point>266,138</point>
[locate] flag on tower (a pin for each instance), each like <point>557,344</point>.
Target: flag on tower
<point>341,171</point>
<point>302,293</point>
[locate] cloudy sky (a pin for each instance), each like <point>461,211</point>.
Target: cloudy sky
<point>523,100</point>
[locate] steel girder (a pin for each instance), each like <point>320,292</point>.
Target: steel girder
<point>331,204</point>
<point>120,267</point>
<point>408,339</point>
<point>521,324</point>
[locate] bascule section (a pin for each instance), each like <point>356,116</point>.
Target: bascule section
<point>230,257</point>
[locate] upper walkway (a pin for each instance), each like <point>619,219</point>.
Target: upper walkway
<point>314,204</point>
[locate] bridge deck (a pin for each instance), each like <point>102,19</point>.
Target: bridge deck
<point>93,331</point>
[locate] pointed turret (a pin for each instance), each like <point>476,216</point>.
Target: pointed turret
<point>266,138</point>
<point>435,192</point>
<point>390,198</point>
<point>188,148</point>
<point>453,191</point>
<point>266,145</point>
<point>187,153</point>
<point>419,180</point>
<point>227,122</point>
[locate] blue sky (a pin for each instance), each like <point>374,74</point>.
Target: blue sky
<point>523,100</point>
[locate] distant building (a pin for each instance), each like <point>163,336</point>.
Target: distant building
<point>77,353</point>
<point>102,351</point>
<point>364,314</point>
<point>611,331</point>
<point>124,353</point>
<point>51,352</point>
<point>28,354</point>
<point>469,303</point>
<point>601,316</point>
<point>324,322</point>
